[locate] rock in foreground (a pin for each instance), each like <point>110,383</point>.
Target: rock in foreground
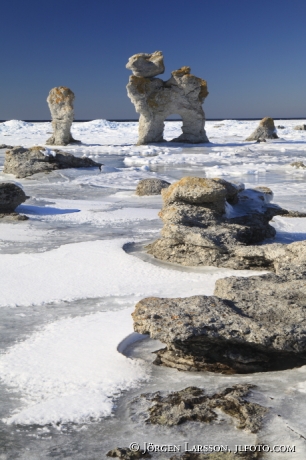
<point>151,187</point>
<point>219,456</point>
<point>125,453</point>
<point>23,162</point>
<point>192,404</point>
<point>265,130</point>
<point>210,221</point>
<point>254,324</point>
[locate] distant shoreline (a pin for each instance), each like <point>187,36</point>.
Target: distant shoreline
<point>177,119</point>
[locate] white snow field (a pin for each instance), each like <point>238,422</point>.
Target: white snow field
<point>70,363</point>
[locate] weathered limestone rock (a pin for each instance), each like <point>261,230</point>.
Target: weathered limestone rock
<point>11,196</point>
<point>156,99</point>
<point>151,187</point>
<point>125,453</point>
<point>146,65</point>
<point>298,164</point>
<point>192,404</point>
<point>23,162</point>
<point>206,221</point>
<point>253,324</point>
<point>60,101</point>
<point>300,128</point>
<point>265,130</point>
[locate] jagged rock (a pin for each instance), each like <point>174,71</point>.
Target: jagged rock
<point>4,146</point>
<point>125,453</point>
<point>24,162</point>
<point>146,65</point>
<point>60,102</point>
<point>151,187</point>
<point>252,324</point>
<point>300,128</point>
<point>156,99</point>
<point>265,130</point>
<point>298,164</point>
<point>207,220</point>
<point>280,127</point>
<point>192,404</point>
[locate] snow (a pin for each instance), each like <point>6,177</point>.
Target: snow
<point>70,371</point>
<point>93,269</point>
<point>70,367</point>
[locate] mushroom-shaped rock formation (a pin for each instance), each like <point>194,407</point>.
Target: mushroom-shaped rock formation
<point>155,99</point>
<point>265,130</point>
<point>151,187</point>
<point>210,222</point>
<point>253,324</point>
<point>23,162</point>
<point>11,196</point>
<point>60,102</point>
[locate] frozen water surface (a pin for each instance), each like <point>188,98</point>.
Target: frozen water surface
<point>71,275</point>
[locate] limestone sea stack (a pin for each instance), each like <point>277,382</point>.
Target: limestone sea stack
<point>155,99</point>
<point>24,162</point>
<point>60,102</point>
<point>215,222</point>
<point>265,130</point>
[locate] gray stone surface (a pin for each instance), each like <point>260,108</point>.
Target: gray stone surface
<point>207,220</point>
<point>298,164</point>
<point>60,102</point>
<point>155,100</point>
<point>146,65</point>
<point>5,146</point>
<point>11,196</point>
<point>300,128</point>
<point>125,453</point>
<point>265,130</point>
<point>24,162</point>
<point>252,324</point>
<point>193,404</point>
<point>151,187</point>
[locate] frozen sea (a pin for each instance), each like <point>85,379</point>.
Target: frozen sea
<point>70,364</point>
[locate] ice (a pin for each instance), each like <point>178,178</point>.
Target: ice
<point>93,269</point>
<point>71,371</point>
<point>71,275</point>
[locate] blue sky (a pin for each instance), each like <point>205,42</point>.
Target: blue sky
<point>251,52</point>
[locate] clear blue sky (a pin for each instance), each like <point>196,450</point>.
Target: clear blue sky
<point>251,52</point>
